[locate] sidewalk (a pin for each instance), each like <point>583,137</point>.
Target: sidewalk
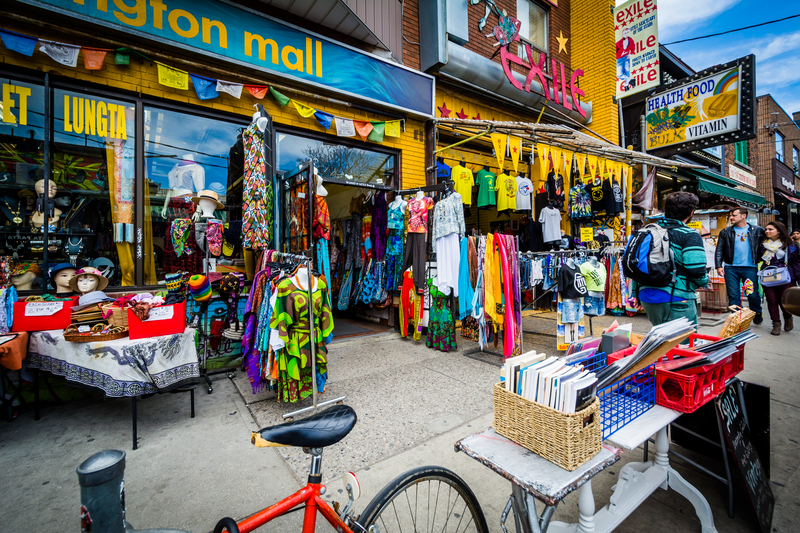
<point>413,403</point>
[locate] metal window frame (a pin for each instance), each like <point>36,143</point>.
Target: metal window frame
<point>534,47</point>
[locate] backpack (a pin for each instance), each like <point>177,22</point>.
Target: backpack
<point>648,259</point>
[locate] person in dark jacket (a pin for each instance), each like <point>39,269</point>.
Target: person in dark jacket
<point>777,250</point>
<point>736,259</point>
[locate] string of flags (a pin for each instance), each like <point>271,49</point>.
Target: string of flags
<point>205,88</point>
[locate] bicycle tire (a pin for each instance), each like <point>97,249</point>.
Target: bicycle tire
<point>383,512</point>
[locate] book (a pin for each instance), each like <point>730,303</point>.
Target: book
<point>584,393</point>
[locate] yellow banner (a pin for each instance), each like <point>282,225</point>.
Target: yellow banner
<point>303,109</point>
<point>581,164</point>
<point>392,129</point>
<point>172,77</point>
<point>499,142</point>
<point>557,162</point>
<point>592,170</point>
<point>542,151</point>
<point>515,144</point>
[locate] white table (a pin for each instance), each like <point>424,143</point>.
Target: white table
<point>532,477</point>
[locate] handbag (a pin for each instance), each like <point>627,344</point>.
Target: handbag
<point>774,276</point>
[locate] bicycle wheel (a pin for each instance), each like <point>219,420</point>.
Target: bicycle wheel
<point>428,498</point>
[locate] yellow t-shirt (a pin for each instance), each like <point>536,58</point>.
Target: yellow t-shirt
<point>506,188</point>
<point>464,181</point>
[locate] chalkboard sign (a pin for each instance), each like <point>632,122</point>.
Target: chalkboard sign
<point>737,434</point>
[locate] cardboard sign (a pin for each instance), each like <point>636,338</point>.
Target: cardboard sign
<point>165,312</point>
<point>43,308</point>
<point>587,234</point>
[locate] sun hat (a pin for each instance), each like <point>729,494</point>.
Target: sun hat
<point>102,281</point>
<point>208,195</point>
<point>91,298</point>
<point>22,268</point>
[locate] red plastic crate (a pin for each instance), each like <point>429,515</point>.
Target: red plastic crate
<point>164,320</point>
<point>687,392</point>
<point>737,360</point>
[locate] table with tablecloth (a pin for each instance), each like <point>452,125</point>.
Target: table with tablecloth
<point>121,367</point>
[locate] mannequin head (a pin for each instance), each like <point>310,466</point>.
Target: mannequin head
<point>23,282</point>
<point>60,275</point>
<point>40,188</point>
<point>88,279</point>
<point>420,195</point>
<point>86,283</point>
<point>208,201</point>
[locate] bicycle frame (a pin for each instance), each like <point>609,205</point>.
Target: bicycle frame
<point>310,495</point>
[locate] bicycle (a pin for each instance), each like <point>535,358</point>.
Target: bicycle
<point>390,510</point>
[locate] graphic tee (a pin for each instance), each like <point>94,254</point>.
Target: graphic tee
<point>571,283</point>
<point>614,200</point>
<point>464,181</point>
<point>485,181</point>
<point>524,191</point>
<point>555,188</point>
<point>551,224</point>
<point>742,254</point>
<point>595,276</point>
<point>442,171</point>
<point>506,188</point>
<point>580,203</point>
<point>597,190</point>
<point>418,214</point>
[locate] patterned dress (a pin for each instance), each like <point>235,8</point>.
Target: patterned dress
<point>257,191</point>
<point>441,325</point>
<point>290,319</point>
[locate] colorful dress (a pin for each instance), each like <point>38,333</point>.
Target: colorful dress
<point>290,319</point>
<point>257,210</point>
<point>394,248</point>
<point>441,325</point>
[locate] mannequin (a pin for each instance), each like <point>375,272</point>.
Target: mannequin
<point>398,202</point>
<point>60,276</point>
<point>300,278</point>
<point>320,191</point>
<point>208,202</point>
<point>88,279</point>
<point>570,263</point>
<point>420,195</point>
<point>184,178</point>
<point>37,217</point>
<point>23,282</point>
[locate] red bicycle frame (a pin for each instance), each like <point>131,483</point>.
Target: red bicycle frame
<point>310,495</point>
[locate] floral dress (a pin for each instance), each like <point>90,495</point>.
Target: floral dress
<point>290,319</point>
<point>441,325</point>
<point>257,191</point>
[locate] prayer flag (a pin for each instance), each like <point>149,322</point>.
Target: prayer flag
<point>18,42</point>
<point>206,88</point>
<point>345,127</point>
<point>378,129</point>
<point>172,77</point>
<point>93,58</point>
<point>555,155</point>
<point>66,54</point>
<point>392,129</point>
<point>304,110</point>
<point>233,89</point>
<point>363,128</point>
<point>122,57</point>
<point>258,91</point>
<point>325,119</point>
<point>280,98</point>
<point>499,141</point>
<point>515,143</point>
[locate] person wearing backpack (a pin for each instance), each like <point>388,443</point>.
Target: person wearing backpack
<point>736,259</point>
<point>780,268</point>
<point>667,262</point>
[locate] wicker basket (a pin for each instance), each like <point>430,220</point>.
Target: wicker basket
<point>561,438</point>
<point>116,316</point>
<point>738,321</point>
<point>95,338</point>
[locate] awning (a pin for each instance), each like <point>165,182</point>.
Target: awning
<point>703,173</point>
<point>737,195</point>
<point>790,198</point>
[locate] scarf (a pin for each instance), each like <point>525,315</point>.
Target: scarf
<point>771,248</point>
<point>180,234</point>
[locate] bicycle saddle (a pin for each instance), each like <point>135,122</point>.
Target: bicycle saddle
<point>322,429</point>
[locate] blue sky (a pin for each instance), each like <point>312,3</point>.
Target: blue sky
<point>776,46</point>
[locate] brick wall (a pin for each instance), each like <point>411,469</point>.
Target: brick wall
<point>411,32</point>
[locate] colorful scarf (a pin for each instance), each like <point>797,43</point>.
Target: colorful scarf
<point>214,236</point>
<point>180,234</point>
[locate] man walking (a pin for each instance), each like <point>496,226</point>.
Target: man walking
<point>663,304</point>
<point>795,236</point>
<point>737,248</point>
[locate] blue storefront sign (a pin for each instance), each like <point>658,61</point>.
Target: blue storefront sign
<point>243,36</point>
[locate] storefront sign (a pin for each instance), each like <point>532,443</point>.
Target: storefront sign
<point>736,173</point>
<point>636,37</point>
<point>783,178</point>
<point>703,110</point>
<point>15,96</point>
<point>695,224</point>
<point>94,117</point>
<point>246,37</point>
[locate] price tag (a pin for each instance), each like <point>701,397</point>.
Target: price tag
<point>161,313</point>
<point>84,329</point>
<point>43,308</point>
<point>695,225</point>
<point>587,234</point>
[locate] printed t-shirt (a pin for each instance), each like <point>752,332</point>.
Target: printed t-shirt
<point>597,190</point>
<point>571,283</point>
<point>506,188</point>
<point>418,214</point>
<point>742,253</point>
<point>614,200</point>
<point>551,224</point>
<point>462,176</point>
<point>555,187</point>
<point>524,191</point>
<point>595,276</point>
<point>485,181</point>
<point>442,171</point>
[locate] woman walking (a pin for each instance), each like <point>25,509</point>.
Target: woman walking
<point>780,269</point>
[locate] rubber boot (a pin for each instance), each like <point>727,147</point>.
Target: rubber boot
<point>776,328</point>
<point>788,323</point>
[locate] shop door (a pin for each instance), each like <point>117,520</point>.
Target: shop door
<point>297,209</point>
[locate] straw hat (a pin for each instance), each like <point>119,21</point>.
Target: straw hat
<point>208,195</point>
<point>102,281</point>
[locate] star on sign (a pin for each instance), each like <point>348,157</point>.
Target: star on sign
<point>477,118</point>
<point>462,115</point>
<point>445,112</point>
<point>562,42</point>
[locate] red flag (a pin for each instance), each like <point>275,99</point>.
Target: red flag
<point>259,91</point>
<point>363,128</point>
<point>93,58</point>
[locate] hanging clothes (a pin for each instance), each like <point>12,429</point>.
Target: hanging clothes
<point>394,246</point>
<point>322,218</point>
<point>191,259</point>
<point>491,276</point>
<point>257,189</point>
<point>441,325</point>
<point>379,225</point>
<point>411,307</point>
<point>466,292</point>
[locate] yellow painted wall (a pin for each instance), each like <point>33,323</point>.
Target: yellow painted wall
<point>141,77</point>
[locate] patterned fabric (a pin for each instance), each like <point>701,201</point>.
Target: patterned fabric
<point>410,308</point>
<point>470,329</point>
<point>441,325</point>
<point>366,241</point>
<point>214,236</point>
<point>448,217</point>
<point>394,259</point>
<point>291,321</point>
<point>418,214</point>
<point>396,217</point>
<point>322,218</point>
<point>192,258</point>
<point>257,212</point>
<point>580,203</point>
<point>179,233</point>
<point>379,224</point>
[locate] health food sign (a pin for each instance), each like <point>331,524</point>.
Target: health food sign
<point>702,112</point>
<point>636,38</point>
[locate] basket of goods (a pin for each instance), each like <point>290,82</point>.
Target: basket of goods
<point>114,314</point>
<point>97,333</point>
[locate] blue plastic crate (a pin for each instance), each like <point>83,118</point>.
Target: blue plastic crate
<point>625,400</point>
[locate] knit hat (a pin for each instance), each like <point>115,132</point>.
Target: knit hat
<point>200,288</point>
<point>22,268</point>
<point>177,282</point>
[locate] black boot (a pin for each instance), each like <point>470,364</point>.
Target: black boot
<point>758,319</point>
<point>788,322</point>
<point>776,328</point>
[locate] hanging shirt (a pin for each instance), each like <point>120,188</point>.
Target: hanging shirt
<point>614,200</point>
<point>485,181</point>
<point>571,283</point>
<point>551,224</point>
<point>596,190</point>
<point>580,203</point>
<point>396,216</point>
<point>442,171</point>
<point>524,191</point>
<point>418,214</point>
<point>506,188</point>
<point>555,187</point>
<point>462,176</point>
<point>595,276</point>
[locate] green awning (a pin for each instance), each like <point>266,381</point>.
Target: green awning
<point>730,192</point>
<point>703,173</point>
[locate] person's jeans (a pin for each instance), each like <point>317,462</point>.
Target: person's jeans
<point>774,296</point>
<point>734,275</point>
<point>664,312</point>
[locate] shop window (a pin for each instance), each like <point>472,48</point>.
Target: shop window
<point>740,152</point>
<point>795,160</point>
<point>21,167</point>
<point>532,30</point>
<point>184,155</point>
<point>779,146</point>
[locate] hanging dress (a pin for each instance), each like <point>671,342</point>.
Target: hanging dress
<point>441,324</point>
<point>394,247</point>
<point>256,199</point>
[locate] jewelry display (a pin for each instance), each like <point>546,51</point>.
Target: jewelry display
<point>14,213</point>
<point>73,248</point>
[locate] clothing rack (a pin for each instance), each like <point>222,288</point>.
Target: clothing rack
<point>444,185</point>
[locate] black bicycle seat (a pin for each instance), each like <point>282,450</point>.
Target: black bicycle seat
<point>322,429</point>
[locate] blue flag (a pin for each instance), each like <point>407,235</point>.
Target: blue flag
<point>325,119</point>
<point>18,43</point>
<point>206,88</point>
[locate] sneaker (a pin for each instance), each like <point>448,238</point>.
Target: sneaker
<point>758,319</point>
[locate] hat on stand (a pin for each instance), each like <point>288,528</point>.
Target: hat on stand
<point>102,281</point>
<point>208,195</point>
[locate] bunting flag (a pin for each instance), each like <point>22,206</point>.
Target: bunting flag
<point>363,127</point>
<point>499,142</point>
<point>344,127</point>
<point>376,135</point>
<point>592,171</point>
<point>122,57</point>
<point>542,152</point>
<point>392,129</point>
<point>303,110</point>
<point>93,58</point>
<point>581,160</point>
<point>172,77</point>
<point>233,89</point>
<point>281,99</point>
<point>568,161</point>
<point>515,143</point>
<point>66,54</point>
<point>17,42</point>
<point>555,154</point>
<point>258,91</point>
<point>325,119</point>
<point>206,88</point>
<point>617,170</point>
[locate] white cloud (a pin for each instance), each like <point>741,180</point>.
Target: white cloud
<point>680,17</point>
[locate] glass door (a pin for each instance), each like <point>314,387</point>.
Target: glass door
<point>298,209</point>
